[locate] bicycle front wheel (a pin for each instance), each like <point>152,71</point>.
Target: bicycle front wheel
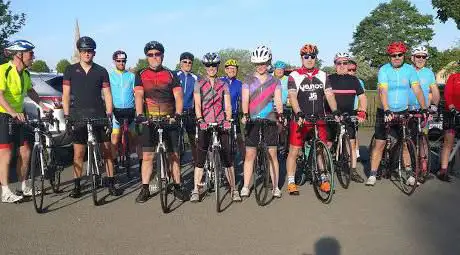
<point>162,168</point>
<point>218,182</point>
<point>323,173</point>
<point>261,177</point>
<point>93,164</point>
<point>38,178</point>
<point>344,162</point>
<point>407,166</point>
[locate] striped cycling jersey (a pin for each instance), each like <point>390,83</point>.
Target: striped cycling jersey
<point>261,95</point>
<point>212,99</point>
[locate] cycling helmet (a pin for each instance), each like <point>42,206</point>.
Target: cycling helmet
<point>261,54</point>
<point>231,62</point>
<point>420,50</point>
<point>341,55</point>
<point>210,58</point>
<point>154,45</point>
<point>20,45</point>
<point>279,65</point>
<point>309,49</point>
<point>86,43</point>
<point>396,47</point>
<point>186,55</point>
<point>119,54</point>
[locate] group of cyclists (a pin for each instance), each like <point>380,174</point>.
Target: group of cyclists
<point>197,102</point>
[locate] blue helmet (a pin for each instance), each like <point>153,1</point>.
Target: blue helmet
<point>20,45</point>
<point>279,65</point>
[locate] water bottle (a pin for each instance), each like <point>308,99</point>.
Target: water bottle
<point>307,151</point>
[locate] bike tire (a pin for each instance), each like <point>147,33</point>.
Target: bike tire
<point>424,157</point>
<point>38,179</point>
<point>343,164</point>
<point>162,167</point>
<point>218,183</point>
<point>126,162</point>
<point>300,177</point>
<point>403,172</point>
<point>93,174</point>
<point>55,178</point>
<point>321,149</point>
<point>261,177</point>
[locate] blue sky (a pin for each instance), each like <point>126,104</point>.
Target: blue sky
<point>202,26</point>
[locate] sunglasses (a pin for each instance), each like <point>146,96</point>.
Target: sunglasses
<point>151,55</point>
<point>120,61</point>
<point>187,62</point>
<point>212,65</point>
<point>421,56</point>
<point>397,55</point>
<point>87,51</point>
<point>307,56</point>
<point>352,70</point>
<point>344,63</point>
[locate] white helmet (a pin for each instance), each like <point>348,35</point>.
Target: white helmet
<point>20,45</point>
<point>341,55</point>
<point>261,54</point>
<point>420,50</point>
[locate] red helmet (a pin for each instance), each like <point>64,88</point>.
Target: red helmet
<point>396,47</point>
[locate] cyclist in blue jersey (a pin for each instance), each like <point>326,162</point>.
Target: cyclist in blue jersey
<point>122,88</point>
<point>352,68</point>
<point>187,81</point>
<point>235,85</point>
<point>395,81</point>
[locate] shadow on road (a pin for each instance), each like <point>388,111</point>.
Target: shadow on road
<point>326,246</point>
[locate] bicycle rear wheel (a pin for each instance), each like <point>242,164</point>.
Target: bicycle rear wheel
<point>323,173</point>
<point>300,177</point>
<point>261,177</point>
<point>162,169</point>
<point>405,169</point>
<point>218,182</point>
<point>343,163</point>
<point>38,179</point>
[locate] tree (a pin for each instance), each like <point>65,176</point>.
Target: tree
<point>448,9</point>
<point>62,65</point>
<point>328,69</point>
<point>141,64</point>
<point>398,20</point>
<point>9,24</point>
<point>39,66</point>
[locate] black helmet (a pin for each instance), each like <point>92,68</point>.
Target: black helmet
<point>86,43</point>
<point>154,45</point>
<point>119,54</point>
<point>186,55</point>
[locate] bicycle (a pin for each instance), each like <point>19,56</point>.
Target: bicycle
<point>162,164</point>
<point>318,155</point>
<point>43,163</point>
<point>422,147</point>
<point>213,169</point>
<point>261,178</point>
<point>392,148</point>
<point>342,150</point>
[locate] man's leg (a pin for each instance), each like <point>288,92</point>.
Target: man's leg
<point>449,137</point>
<point>274,170</point>
<point>78,158</point>
<point>5,157</point>
<point>355,176</point>
<point>247,170</point>
<point>22,167</point>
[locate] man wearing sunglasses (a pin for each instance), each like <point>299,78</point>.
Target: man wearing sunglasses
<point>88,82</point>
<point>122,88</point>
<point>15,84</point>
<point>346,88</point>
<point>308,94</point>
<point>158,93</point>
<point>395,80</point>
<point>187,81</point>
<point>352,68</point>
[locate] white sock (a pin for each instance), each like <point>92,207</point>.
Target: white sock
<point>291,179</point>
<point>5,189</point>
<point>23,185</point>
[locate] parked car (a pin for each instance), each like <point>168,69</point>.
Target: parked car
<point>49,87</point>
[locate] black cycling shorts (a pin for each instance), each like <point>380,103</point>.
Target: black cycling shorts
<point>149,138</point>
<point>380,130</point>
<point>17,136</point>
<point>252,135</point>
<point>204,138</point>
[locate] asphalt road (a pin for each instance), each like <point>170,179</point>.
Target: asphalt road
<point>360,220</point>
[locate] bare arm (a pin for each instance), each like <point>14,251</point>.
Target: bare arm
<point>245,100</point>
<point>435,95</point>
<point>330,97</point>
<point>66,99</point>
<point>139,101</point>
<point>362,102</point>
<point>383,93</point>
<point>108,99</point>
<point>197,99</point>
<point>179,99</point>
<point>278,101</point>
<point>293,99</point>
<point>419,95</point>
<point>35,97</point>
<point>228,106</point>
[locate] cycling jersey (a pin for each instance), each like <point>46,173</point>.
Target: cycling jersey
<point>159,87</point>
<point>235,87</point>
<point>398,83</point>
<point>212,99</point>
<point>14,86</point>
<point>284,89</point>
<point>187,82</point>
<point>311,88</point>
<point>261,97</point>
<point>345,87</point>
<point>452,91</point>
<point>356,98</point>
<point>86,89</point>
<point>122,87</point>
<point>427,80</point>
